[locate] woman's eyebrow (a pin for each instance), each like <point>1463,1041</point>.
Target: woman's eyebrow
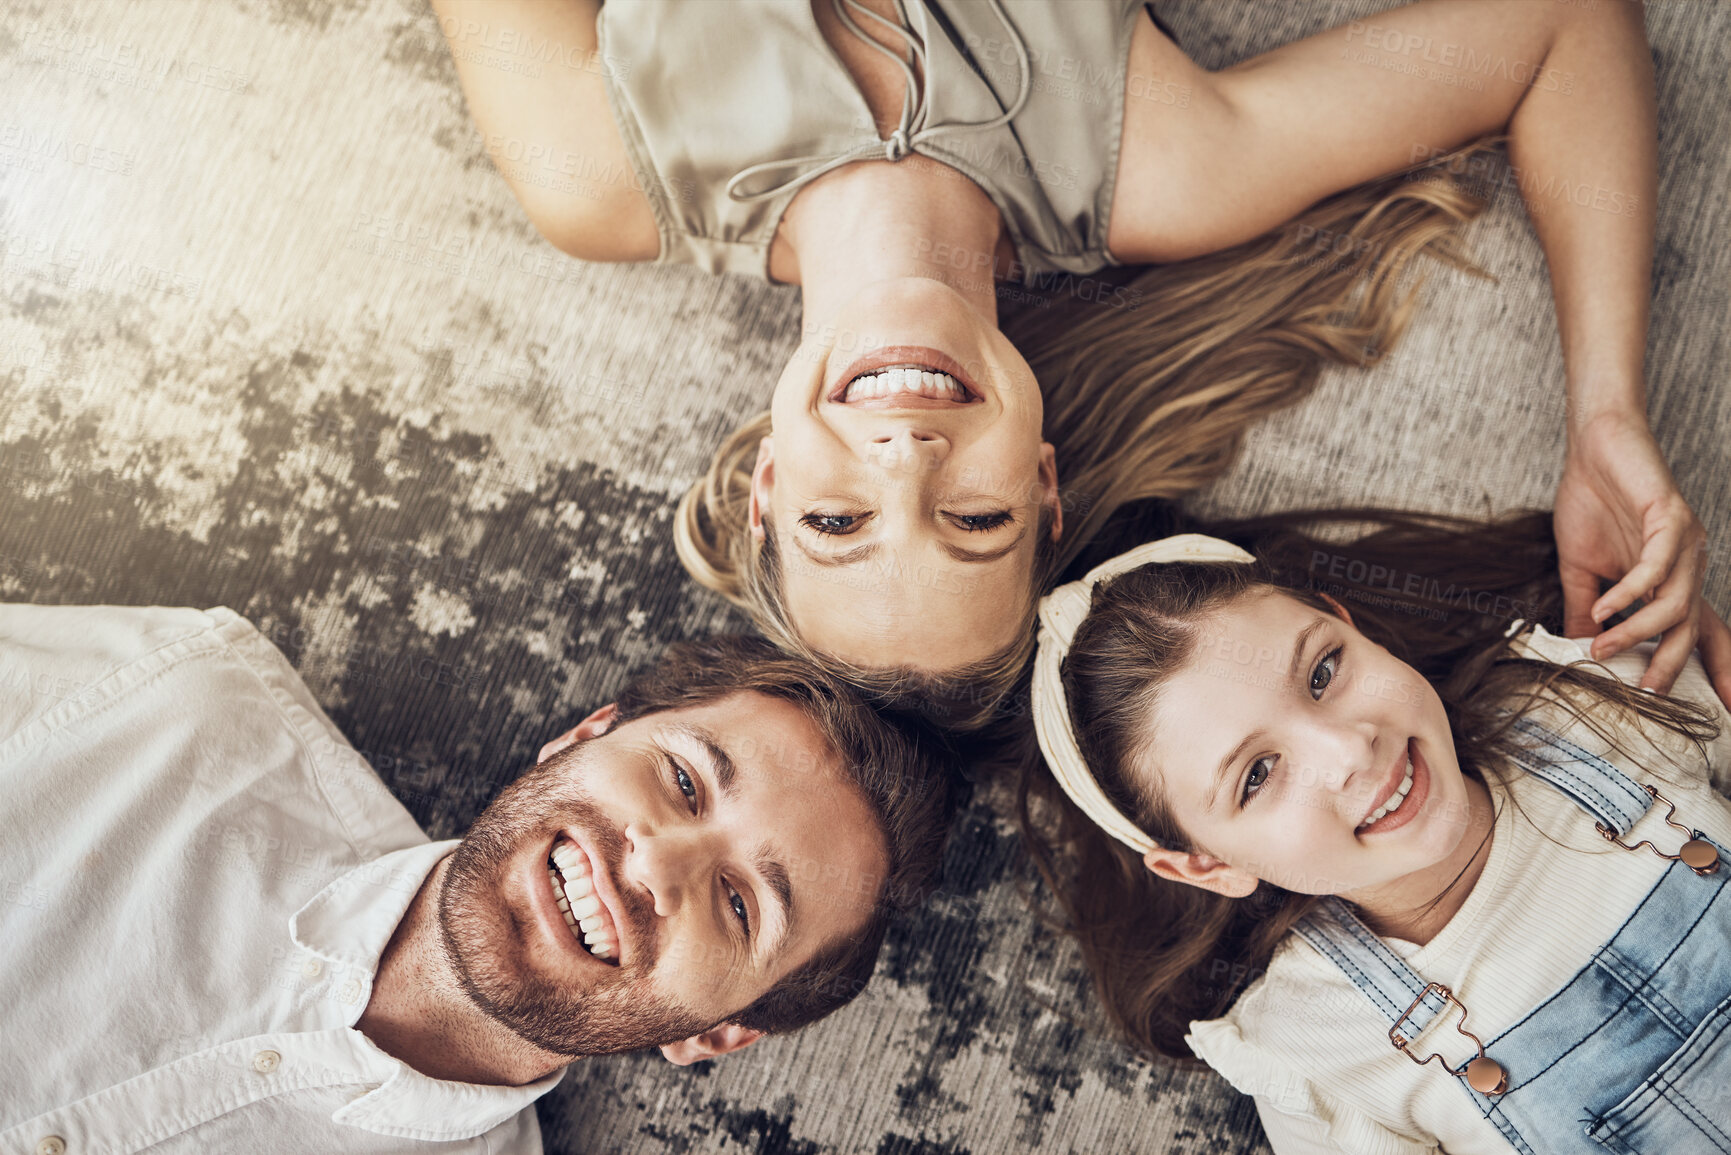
<point>858,553</point>
<point>975,556</point>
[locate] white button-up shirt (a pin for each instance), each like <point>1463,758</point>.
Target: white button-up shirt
<point>198,875</point>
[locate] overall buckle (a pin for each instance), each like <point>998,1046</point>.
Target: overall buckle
<point>1483,1074</point>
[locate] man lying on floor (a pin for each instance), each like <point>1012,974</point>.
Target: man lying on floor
<point>222,933</point>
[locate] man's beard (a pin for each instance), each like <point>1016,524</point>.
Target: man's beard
<point>621,1012</point>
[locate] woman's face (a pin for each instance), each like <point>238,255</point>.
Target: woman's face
<point>904,481</point>
<point>1283,747</point>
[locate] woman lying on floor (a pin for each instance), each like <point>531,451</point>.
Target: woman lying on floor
<point>896,511</point>
<point>1321,839</point>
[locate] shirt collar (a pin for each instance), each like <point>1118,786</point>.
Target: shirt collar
<point>349,923</point>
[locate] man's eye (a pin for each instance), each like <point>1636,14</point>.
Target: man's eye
<point>1323,676</point>
<point>1257,778</point>
<point>683,780</point>
<point>977,522</point>
<point>833,523</point>
<point>738,905</point>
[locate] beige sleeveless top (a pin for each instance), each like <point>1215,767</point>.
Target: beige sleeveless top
<point>728,107</point>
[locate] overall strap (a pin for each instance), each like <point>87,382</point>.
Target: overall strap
<point>1380,975</point>
<point>1599,788</point>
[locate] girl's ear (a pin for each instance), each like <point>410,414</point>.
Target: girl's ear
<point>1201,870</point>
<point>1345,614</point>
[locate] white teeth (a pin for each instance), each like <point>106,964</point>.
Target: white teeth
<point>1394,800</point>
<point>578,904</point>
<point>919,382</point>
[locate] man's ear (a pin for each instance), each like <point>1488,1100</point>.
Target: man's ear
<point>1049,480</point>
<point>1345,614</point>
<point>1200,870</point>
<point>593,726</point>
<point>722,1040</point>
<point>762,482</point>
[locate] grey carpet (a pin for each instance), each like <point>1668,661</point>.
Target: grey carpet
<point>274,335</point>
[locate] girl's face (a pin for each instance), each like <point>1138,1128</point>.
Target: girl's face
<point>905,504</point>
<point>1294,751</point>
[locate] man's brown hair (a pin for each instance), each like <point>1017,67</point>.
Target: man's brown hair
<point>902,769</point>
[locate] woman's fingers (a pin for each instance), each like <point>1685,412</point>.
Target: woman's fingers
<point>1659,557</point>
<point>1672,654</point>
<point>1716,652</point>
<point>1580,590</point>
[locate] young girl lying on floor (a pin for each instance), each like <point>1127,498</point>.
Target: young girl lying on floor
<point>1415,878</point>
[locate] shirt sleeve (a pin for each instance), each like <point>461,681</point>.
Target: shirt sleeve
<point>53,655</point>
<point>1299,1117</point>
<point>1298,1135</point>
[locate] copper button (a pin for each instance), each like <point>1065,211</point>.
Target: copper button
<point>1700,856</point>
<point>1486,1076</point>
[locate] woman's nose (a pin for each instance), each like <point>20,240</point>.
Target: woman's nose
<point>908,449</point>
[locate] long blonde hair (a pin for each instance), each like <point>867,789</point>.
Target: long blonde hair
<point>1148,397</point>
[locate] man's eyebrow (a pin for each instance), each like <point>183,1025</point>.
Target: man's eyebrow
<point>721,765</point>
<point>1302,644</point>
<point>847,557</point>
<point>780,885</point>
<point>976,556</point>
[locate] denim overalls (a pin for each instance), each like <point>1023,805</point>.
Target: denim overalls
<point>1633,1055</point>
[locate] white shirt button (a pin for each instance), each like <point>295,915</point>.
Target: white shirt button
<point>266,1061</point>
<point>312,968</point>
<point>350,992</point>
<point>51,1145</point>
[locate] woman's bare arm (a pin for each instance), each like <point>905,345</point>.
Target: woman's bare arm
<point>535,86</point>
<point>1572,86</point>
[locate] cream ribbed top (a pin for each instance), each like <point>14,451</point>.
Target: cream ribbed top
<point>1315,1053</point>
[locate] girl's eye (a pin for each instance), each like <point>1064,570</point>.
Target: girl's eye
<point>978,522</point>
<point>1257,778</point>
<point>834,523</point>
<point>738,905</point>
<point>1323,676</point>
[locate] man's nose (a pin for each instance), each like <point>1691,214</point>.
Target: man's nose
<point>664,862</point>
<point>908,449</point>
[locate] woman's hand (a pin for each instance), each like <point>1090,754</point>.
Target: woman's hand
<point>1619,516</point>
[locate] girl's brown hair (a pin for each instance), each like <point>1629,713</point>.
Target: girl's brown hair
<point>1149,387</point>
<point>1439,593</point>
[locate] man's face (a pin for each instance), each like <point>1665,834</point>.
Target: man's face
<point>718,848</point>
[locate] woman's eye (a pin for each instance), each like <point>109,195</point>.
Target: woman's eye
<point>1323,675</point>
<point>977,522</point>
<point>1257,778</point>
<point>738,905</point>
<point>831,522</point>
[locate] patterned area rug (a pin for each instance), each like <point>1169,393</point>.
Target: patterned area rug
<point>274,335</point>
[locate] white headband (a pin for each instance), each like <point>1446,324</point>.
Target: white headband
<point>1061,612</point>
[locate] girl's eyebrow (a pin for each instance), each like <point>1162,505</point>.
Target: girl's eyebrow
<point>1223,772</point>
<point>1302,644</point>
